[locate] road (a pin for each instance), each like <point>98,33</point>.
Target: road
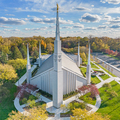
<point>108,59</point>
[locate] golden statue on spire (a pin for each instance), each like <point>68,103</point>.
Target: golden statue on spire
<point>57,7</point>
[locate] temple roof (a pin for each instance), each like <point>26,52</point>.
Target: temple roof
<point>67,64</point>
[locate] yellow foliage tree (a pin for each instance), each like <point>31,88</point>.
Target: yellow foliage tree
<point>7,72</point>
<point>18,64</point>
<point>36,113</point>
<point>83,56</point>
<point>79,114</point>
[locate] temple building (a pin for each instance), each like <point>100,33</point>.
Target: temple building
<point>58,74</point>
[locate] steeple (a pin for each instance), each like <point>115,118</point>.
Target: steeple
<point>58,79</point>
<point>78,56</point>
<point>39,54</point>
<point>28,66</point>
<point>57,25</point>
<point>88,73</point>
<point>28,61</point>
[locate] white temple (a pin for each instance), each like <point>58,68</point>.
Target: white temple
<point>58,74</point>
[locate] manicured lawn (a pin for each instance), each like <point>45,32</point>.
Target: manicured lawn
<point>7,105</point>
<point>106,70</point>
<point>83,70</point>
<point>104,77</point>
<point>109,105</point>
<point>86,98</point>
<point>94,66</point>
<point>95,80</point>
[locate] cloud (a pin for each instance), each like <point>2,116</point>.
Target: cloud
<point>40,5</point>
<point>77,25</point>
<point>115,26</point>
<point>107,17</point>
<point>11,21</point>
<point>90,18</point>
<point>50,20</point>
<point>110,1</point>
<point>5,26</point>
<point>9,14</point>
<point>34,29</point>
<point>82,9</point>
<point>11,30</point>
<point>114,21</point>
<point>90,28</point>
<point>102,27</point>
<point>66,27</point>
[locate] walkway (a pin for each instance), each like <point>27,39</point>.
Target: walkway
<point>57,112</point>
<point>24,77</point>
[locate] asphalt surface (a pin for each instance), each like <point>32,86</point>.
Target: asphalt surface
<point>108,59</point>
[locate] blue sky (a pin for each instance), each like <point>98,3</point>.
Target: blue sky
<point>25,18</point>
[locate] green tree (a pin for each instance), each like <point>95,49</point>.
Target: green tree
<point>83,56</point>
<point>23,50</point>
<point>16,53</point>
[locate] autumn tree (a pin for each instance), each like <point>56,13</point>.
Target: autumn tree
<point>23,50</point>
<point>7,72</point>
<point>79,114</point>
<point>83,56</point>
<point>35,113</point>
<point>18,64</point>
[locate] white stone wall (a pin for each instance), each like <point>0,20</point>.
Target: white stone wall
<point>44,81</point>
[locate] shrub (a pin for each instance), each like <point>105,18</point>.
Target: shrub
<point>24,100</point>
<point>31,97</point>
<point>113,94</point>
<point>82,105</point>
<point>31,103</point>
<point>106,85</point>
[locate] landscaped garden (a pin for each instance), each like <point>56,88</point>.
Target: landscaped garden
<point>104,77</point>
<point>110,96</point>
<point>94,79</point>
<point>106,70</point>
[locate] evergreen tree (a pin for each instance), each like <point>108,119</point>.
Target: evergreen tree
<point>23,50</point>
<point>17,53</point>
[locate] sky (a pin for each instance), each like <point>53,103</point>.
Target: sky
<point>27,18</point>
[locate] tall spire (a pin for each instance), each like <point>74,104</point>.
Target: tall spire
<point>78,56</point>
<point>57,25</point>
<point>58,79</point>
<point>39,54</point>
<point>28,61</point>
<point>28,66</point>
<point>88,73</point>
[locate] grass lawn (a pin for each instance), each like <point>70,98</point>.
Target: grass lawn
<point>104,77</point>
<point>110,106</point>
<point>86,98</point>
<point>94,66</point>
<point>95,80</point>
<point>83,70</point>
<point>7,105</point>
<point>106,70</point>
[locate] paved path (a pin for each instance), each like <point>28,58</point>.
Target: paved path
<point>24,77</point>
<point>57,112</point>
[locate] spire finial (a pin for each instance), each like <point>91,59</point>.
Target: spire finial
<point>57,7</point>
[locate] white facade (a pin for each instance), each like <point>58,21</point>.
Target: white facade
<point>58,74</point>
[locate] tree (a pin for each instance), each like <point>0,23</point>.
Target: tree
<point>16,53</point>
<point>63,107</point>
<point>79,114</point>
<point>35,113</point>
<point>83,56</point>
<point>23,50</point>
<point>18,64</point>
<point>7,72</point>
<point>49,48</point>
